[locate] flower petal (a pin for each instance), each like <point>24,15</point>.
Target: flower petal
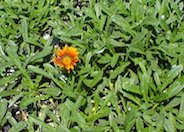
<point>66,57</point>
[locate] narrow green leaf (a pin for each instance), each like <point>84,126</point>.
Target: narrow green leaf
<point>147,118</point>
<point>62,128</point>
<point>118,84</point>
<point>37,121</point>
<point>139,37</point>
<point>3,109</point>
<point>181,110</point>
<point>173,90</point>
<point>78,103</point>
<point>53,117</point>
<point>24,29</point>
<point>114,60</point>
<point>106,9</point>
<point>8,93</point>
<point>69,104</point>
<point>11,119</point>
<point>131,97</point>
<point>114,102</point>
<point>25,102</point>
<point>88,58</point>
<point>18,127</point>
<point>46,51</point>
<point>15,59</point>
<point>130,120</point>
<point>150,21</point>
<point>94,81</point>
<point>139,125</point>
<point>168,126</point>
<point>123,23</point>
<point>14,99</point>
<point>97,10</point>
<point>156,78</point>
<point>113,123</point>
<point>52,91</point>
<point>61,84</point>
<point>180,126</point>
<point>38,70</point>
<point>173,73</point>
<point>5,80</point>
<point>119,70</point>
<point>131,87</point>
<point>173,103</point>
<point>65,114</point>
<point>104,59</point>
<point>80,120</point>
<point>100,114</point>
<point>160,122</point>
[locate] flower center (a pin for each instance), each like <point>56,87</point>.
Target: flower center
<point>66,60</point>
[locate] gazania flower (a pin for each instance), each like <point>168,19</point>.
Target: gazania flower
<point>67,57</point>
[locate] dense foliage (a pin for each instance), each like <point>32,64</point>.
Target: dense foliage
<point>129,78</point>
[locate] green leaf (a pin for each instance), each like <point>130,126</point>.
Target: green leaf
<point>92,82</point>
<point>41,54</point>
<point>27,101</point>
<point>181,109</point>
<point>5,80</point>
<point>106,9</point>
<point>65,114</point>
<point>78,103</point>
<point>14,99</point>
<point>119,70</point>
<point>104,59</point>
<point>160,122</point>
<point>80,120</point>
<point>173,103</point>
<point>139,125</point>
<point>24,29</point>
<point>62,128</point>
<point>8,93</point>
<point>131,97</point>
<point>126,85</point>
<point>100,114</point>
<point>147,118</point>
<point>11,119</point>
<point>144,80</point>
<point>151,21</point>
<point>97,10</point>
<point>123,23</point>
<point>53,117</point>
<point>172,91</point>
<point>38,70</point>
<point>113,123</point>
<point>114,101</point>
<point>157,79</point>
<point>173,73</point>
<point>52,91</point>
<point>18,127</point>
<point>139,37</point>
<point>114,60</point>
<point>69,104</point>
<point>168,126</point>
<point>88,58</point>
<point>15,59</point>
<point>37,121</point>
<point>3,109</point>
<point>130,120</point>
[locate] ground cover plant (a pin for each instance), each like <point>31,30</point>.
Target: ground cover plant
<point>128,75</point>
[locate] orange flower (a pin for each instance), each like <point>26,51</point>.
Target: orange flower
<point>67,57</point>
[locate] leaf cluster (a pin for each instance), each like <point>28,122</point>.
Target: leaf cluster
<point>130,74</point>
